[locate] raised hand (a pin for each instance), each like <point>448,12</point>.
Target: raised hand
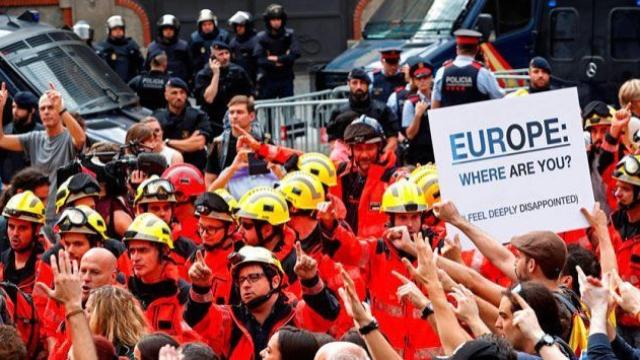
<point>526,320</point>
<point>620,120</point>
<point>199,273</point>
<point>306,267</point>
<point>466,308</point>
<point>409,291</point>
<point>426,270</point>
<point>67,281</point>
<point>55,98</point>
<point>245,139</point>
<point>4,95</point>
<point>358,311</point>
<point>447,211</point>
<point>452,249</point>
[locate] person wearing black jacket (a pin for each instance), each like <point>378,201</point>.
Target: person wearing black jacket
<point>203,38</point>
<point>243,42</point>
<point>177,50</point>
<point>121,53</point>
<point>186,129</point>
<point>361,103</point>
<point>276,51</point>
<point>149,85</point>
<point>216,84</point>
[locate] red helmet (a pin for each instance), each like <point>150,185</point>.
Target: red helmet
<point>186,179</point>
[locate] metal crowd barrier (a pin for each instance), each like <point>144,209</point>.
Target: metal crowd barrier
<point>299,124</point>
<point>513,79</point>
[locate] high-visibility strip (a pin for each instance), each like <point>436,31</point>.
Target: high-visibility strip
<point>497,63</point>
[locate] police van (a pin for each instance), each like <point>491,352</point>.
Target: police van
<point>592,44</point>
<point>32,55</point>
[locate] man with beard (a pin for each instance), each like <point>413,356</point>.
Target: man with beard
<point>185,128</point>
<point>361,103</point>
<point>177,50</point>
<point>243,43</point>
<point>242,331</point>
<point>386,81</point>
<point>276,51</point>
<point>24,110</point>
<point>121,53</point>
<point>218,83</point>
<point>25,216</point>
<point>362,183</point>
<point>203,38</point>
<point>539,77</point>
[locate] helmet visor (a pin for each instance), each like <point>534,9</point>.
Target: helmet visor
<point>72,218</point>
<point>159,188</point>
<point>631,165</point>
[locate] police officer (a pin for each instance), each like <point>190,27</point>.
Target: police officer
<point>361,103</point>
<point>186,129</point>
<point>121,53</point>
<point>276,50</point>
<point>415,121</point>
<point>84,32</point>
<point>177,50</point>
<point>539,77</point>
<point>243,42</point>
<point>216,84</point>
<point>149,85</point>
<point>203,38</point>
<point>399,95</point>
<point>464,80</point>
<point>390,78</point>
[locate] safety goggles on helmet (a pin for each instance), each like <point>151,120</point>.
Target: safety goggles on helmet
<point>155,190</point>
<point>204,210</point>
<point>630,164</point>
<point>84,184</point>
<point>73,218</point>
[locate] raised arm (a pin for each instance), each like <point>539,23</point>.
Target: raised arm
<point>75,130</point>
<point>7,142</point>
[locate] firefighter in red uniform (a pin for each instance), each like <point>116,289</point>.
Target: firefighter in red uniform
<point>218,231</point>
<point>155,281</point>
<point>305,195</point>
<point>263,217</point>
<point>403,324</point>
<point>240,332</point>
<point>158,196</point>
<point>362,184</point>
<point>81,228</point>
<point>626,240</point>
<point>188,184</point>
<point>25,216</point>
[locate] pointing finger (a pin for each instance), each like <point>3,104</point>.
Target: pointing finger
<point>400,277</point>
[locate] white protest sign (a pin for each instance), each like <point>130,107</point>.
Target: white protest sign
<point>514,165</point>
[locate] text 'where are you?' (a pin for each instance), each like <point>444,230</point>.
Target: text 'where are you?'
<point>497,142</point>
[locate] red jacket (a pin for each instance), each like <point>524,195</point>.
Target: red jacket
<point>371,221</point>
<point>218,261</point>
<point>410,335</point>
<point>224,329</point>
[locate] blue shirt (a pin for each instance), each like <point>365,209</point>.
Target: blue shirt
<point>409,110</point>
<point>487,83</point>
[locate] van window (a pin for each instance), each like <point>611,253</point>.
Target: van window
<point>563,33</point>
<point>508,15</point>
<point>625,33</point>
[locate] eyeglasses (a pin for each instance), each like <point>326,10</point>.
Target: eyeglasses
<point>252,278</point>
<point>630,164</point>
<point>209,229</point>
<point>247,225</point>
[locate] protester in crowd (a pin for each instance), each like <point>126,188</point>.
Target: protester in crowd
<point>290,343</point>
<point>149,85</point>
<point>24,111</point>
<point>188,184</point>
<point>179,62</point>
<point>120,52</point>
<point>218,83</point>
<point>276,51</point>
<point>149,346</point>
<point>264,307</point>
<point>387,80</point>
<point>202,40</point>
<point>243,43</point>
<point>80,189</point>
<point>48,149</point>
<point>171,155</point>
<point>185,128</point>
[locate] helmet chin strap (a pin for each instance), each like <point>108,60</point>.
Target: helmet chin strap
<point>254,303</point>
<point>220,244</point>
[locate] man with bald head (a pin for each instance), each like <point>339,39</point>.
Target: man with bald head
<point>341,350</point>
<point>98,268</point>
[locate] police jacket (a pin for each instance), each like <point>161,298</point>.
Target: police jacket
<point>383,86</point>
<point>242,52</point>
<point>149,86</point>
<point>284,45</point>
<point>179,60</point>
<point>200,46</point>
<point>122,55</point>
<point>372,108</point>
<point>233,81</point>
<point>181,126</point>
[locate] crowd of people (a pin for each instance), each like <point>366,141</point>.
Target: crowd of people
<point>201,239</point>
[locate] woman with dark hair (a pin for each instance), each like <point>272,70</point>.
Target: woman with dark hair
<point>291,343</point>
<point>149,346</point>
